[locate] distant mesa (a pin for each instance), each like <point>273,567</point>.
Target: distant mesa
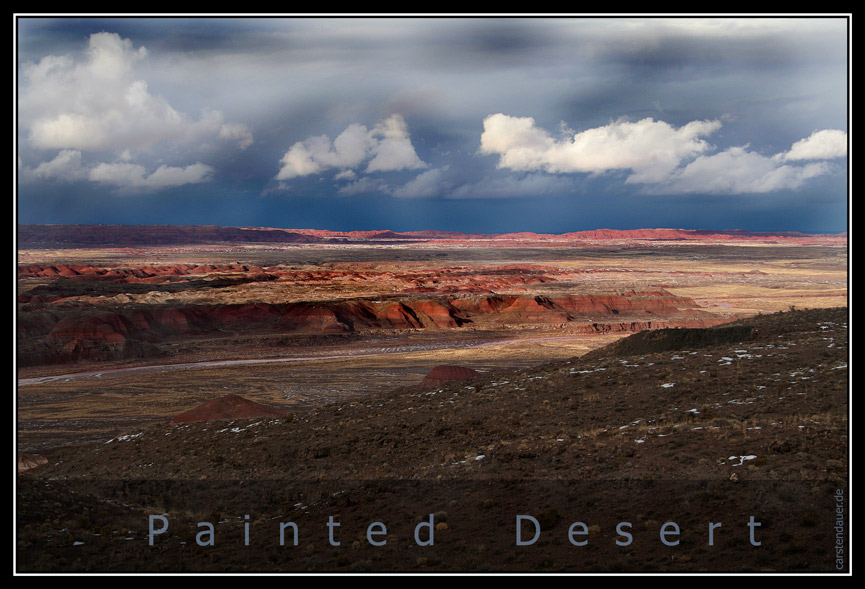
<point>446,373</point>
<point>162,235</point>
<point>228,407</point>
<point>171,235</point>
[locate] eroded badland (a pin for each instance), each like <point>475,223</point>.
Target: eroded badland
<point>460,374</point>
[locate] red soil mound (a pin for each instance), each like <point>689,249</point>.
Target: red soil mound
<point>228,407</point>
<point>445,373</point>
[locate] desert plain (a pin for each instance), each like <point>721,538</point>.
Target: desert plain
<point>429,378</point>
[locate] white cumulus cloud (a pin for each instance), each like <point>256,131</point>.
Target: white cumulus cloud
<point>650,149</point>
<point>134,176</point>
<point>659,156</point>
<point>820,145</point>
<point>738,171</point>
<point>392,149</point>
<point>98,102</point>
<point>385,147</point>
<point>65,166</point>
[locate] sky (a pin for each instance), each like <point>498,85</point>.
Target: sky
<point>485,124</point>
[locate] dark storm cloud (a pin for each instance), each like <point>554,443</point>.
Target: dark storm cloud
<point>475,43</point>
<point>659,56</point>
<point>271,115</point>
<point>40,36</point>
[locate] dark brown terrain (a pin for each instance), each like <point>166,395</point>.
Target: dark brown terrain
<point>711,433</point>
<point>438,386</point>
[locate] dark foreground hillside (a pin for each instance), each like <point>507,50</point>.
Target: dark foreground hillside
<point>692,450</point>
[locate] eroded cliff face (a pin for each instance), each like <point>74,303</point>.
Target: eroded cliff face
<point>58,333</point>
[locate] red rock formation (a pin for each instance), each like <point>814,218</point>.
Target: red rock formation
<point>400,316</point>
<point>76,330</point>
<point>149,274</point>
<point>440,313</point>
<point>229,407</point>
<point>107,328</point>
<point>318,318</point>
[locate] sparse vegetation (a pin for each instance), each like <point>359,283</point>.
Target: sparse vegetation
<point>637,431</point>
